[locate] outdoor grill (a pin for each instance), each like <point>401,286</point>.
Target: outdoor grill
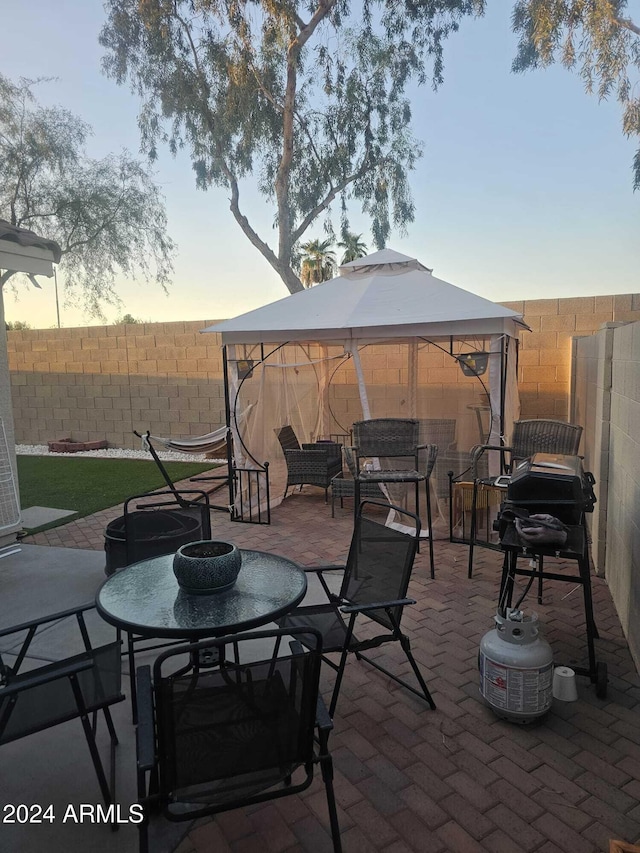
<point>554,484</point>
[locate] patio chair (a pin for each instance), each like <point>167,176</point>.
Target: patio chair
<point>53,693</point>
<point>388,438</point>
<point>396,439</point>
<point>311,464</point>
<point>374,587</point>
<point>529,437</point>
<point>247,730</point>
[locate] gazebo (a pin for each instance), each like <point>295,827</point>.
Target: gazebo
<point>385,338</point>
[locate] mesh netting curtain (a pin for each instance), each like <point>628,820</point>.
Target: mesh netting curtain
<point>321,390</point>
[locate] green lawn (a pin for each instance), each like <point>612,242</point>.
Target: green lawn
<point>87,485</point>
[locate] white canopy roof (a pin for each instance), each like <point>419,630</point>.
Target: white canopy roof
<point>383,296</point>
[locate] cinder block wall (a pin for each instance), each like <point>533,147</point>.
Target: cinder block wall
<point>607,392</point>
<point>102,382</point>
<point>545,353</point>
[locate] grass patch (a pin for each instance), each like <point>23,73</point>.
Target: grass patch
<point>88,485</point>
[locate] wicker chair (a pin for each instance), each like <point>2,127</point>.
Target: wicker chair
<point>395,439</point>
<point>529,437</point>
<point>311,464</point>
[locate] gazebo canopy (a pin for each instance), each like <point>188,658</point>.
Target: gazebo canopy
<point>383,296</point>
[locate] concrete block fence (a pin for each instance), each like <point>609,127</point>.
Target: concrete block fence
<point>102,382</point>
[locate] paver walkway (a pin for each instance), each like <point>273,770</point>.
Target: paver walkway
<point>457,779</point>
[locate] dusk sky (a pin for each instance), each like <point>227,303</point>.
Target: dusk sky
<point>524,190</point>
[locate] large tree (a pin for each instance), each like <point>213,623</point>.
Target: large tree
<point>307,99</point>
<point>106,215</point>
<point>597,38</point>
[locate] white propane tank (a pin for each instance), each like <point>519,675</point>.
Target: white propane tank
<point>516,668</point>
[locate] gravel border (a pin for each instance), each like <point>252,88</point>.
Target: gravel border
<point>116,453</point>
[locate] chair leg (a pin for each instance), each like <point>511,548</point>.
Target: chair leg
<point>326,767</point>
<point>430,523</point>
<point>132,677</point>
<point>472,527</point>
<point>404,642</point>
<point>108,792</point>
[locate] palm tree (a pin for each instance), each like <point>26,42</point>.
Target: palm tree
<point>353,247</point>
<point>318,263</point>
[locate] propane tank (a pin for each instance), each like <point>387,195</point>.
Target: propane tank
<point>516,668</point>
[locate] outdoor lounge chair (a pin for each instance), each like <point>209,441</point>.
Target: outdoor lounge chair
<point>309,465</point>
<point>248,730</point>
<point>374,587</point>
<point>72,688</point>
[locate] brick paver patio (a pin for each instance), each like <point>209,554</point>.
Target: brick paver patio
<point>458,779</point>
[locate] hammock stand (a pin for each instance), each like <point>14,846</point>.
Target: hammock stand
<point>211,443</point>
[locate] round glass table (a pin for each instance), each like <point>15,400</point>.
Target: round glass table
<point>145,598</point>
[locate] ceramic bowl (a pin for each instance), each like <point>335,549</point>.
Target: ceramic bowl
<point>207,567</point>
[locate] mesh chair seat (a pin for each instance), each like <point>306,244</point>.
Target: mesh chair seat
<point>250,730</point>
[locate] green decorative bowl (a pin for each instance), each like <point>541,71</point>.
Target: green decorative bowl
<point>207,567</point>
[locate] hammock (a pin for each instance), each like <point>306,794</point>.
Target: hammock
<point>212,442</point>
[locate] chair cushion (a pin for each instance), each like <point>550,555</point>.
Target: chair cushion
<point>391,476</point>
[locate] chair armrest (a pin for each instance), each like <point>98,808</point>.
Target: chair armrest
<point>479,449</point>
<point>27,681</point>
<point>145,734</point>
<point>320,569</point>
<point>63,614</point>
<point>323,720</point>
<point>377,605</point>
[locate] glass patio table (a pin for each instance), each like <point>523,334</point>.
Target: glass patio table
<point>145,598</point>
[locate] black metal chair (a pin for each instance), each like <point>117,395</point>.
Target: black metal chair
<point>62,690</point>
<point>374,587</point>
<point>309,465</point>
<point>248,729</point>
<point>529,436</point>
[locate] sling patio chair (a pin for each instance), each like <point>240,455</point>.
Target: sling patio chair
<point>247,729</point>
<point>75,687</point>
<point>373,591</point>
<point>309,465</point>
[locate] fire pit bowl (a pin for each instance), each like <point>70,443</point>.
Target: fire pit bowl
<point>207,567</point>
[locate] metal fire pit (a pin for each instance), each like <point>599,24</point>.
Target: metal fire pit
<point>146,533</point>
